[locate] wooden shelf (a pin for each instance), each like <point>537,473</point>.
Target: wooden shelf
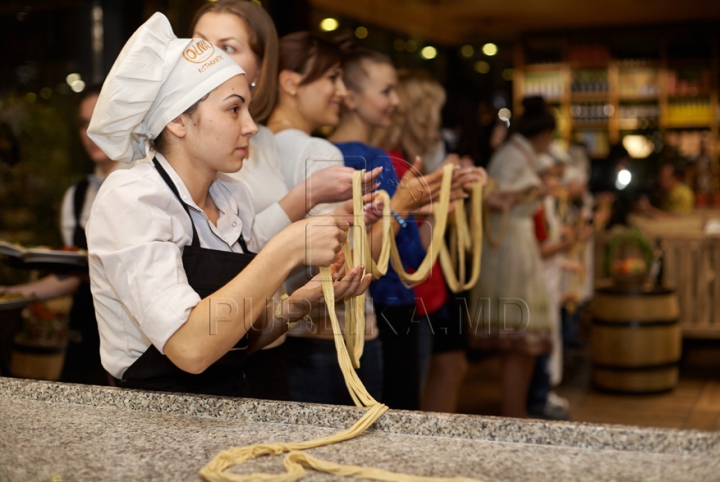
<point>599,96</point>
<point>634,64</point>
<point>633,124</point>
<point>637,97</point>
<point>690,124</point>
<point>531,68</point>
<point>703,94</point>
<point>590,124</point>
<point>650,75</point>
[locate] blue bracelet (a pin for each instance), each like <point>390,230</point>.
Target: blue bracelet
<point>400,220</point>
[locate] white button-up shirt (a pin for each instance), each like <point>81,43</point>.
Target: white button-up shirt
<point>136,234</point>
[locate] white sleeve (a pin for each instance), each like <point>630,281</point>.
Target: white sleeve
<point>133,251</point>
<point>67,217</point>
<point>268,223</point>
<point>317,155</point>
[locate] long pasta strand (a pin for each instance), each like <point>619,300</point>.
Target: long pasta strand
<point>296,460</point>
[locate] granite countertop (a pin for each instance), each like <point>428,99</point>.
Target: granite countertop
<point>63,432</point>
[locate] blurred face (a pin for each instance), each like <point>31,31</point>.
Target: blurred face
<point>319,102</point>
<point>232,35</point>
<point>218,131</point>
<point>85,112</point>
<point>378,99</point>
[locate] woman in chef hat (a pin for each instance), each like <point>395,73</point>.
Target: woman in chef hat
<point>180,297</point>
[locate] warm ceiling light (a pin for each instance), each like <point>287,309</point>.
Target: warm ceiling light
<point>428,52</point>
<point>467,51</point>
<point>482,67</point>
<point>361,32</point>
<point>504,114</point>
<point>77,86</point>
<point>508,74</point>
<point>410,46</point>
<point>490,49</point>
<point>72,78</point>
<point>329,24</point>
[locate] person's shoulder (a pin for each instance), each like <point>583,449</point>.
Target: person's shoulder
<point>139,183</point>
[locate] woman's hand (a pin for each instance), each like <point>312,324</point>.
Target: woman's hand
<point>345,286</point>
<point>372,208</point>
<point>334,184</point>
<point>314,241</point>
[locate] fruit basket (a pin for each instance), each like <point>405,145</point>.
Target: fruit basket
<point>628,256</point>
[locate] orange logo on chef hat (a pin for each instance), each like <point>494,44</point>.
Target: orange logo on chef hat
<point>199,51</point>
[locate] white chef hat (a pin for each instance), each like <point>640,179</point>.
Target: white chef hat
<point>156,77</point>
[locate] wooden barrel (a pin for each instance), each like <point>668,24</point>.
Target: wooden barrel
<point>36,361</point>
<point>636,340</point>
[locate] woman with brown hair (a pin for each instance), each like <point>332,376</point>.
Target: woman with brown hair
<point>311,90</point>
<point>245,31</point>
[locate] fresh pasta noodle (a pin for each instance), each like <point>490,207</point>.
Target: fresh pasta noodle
<point>349,350</point>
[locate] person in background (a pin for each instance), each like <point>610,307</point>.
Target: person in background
<point>371,81</point>
<point>82,356</point>
<point>676,197</point>
<point>245,31</point>
<point>579,277</point>
<point>511,263</point>
<point>555,240</point>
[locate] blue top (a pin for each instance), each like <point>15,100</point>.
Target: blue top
<point>388,290</point>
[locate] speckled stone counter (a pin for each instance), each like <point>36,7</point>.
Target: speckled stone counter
<point>62,432</point>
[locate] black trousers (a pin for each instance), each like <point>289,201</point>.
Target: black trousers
<point>401,357</point>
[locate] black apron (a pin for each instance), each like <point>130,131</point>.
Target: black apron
<point>207,271</point>
<point>82,356</point>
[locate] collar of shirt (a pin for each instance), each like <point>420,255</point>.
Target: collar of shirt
<point>229,223</point>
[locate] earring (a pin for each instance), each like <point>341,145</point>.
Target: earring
<point>252,84</point>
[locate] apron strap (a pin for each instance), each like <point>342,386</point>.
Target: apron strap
<point>173,188</point>
<point>79,196</point>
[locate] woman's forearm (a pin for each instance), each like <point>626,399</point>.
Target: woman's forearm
<point>296,203</point>
<point>219,321</point>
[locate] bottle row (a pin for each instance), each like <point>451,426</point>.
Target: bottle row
<point>593,111</point>
<point>638,112</point>
<point>590,81</point>
<point>690,111</point>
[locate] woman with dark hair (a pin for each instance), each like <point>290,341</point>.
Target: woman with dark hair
<point>182,298</point>
<point>311,90</point>
<point>512,277</point>
<point>245,31</point>
<point>82,357</point>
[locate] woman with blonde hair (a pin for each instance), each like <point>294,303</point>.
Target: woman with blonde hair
<point>415,131</point>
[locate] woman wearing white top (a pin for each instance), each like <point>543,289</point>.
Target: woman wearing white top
<point>245,31</point>
<point>511,268</point>
<point>309,93</point>
<point>180,297</point>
